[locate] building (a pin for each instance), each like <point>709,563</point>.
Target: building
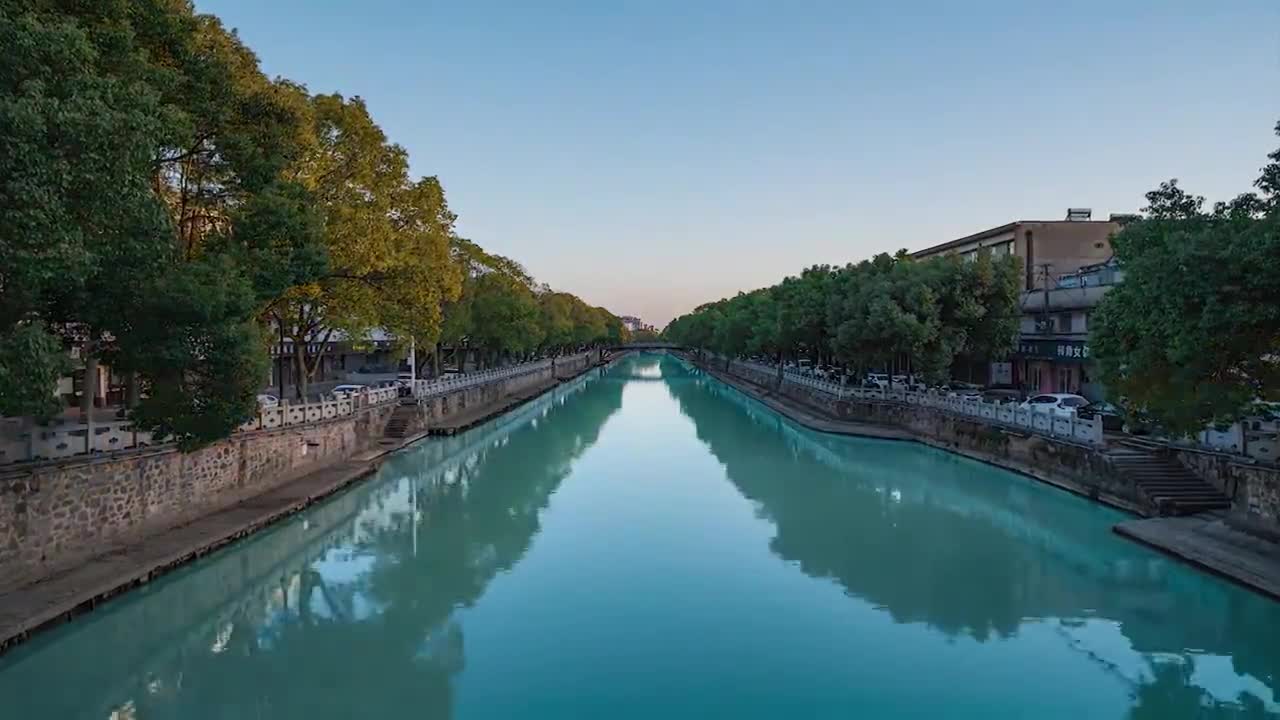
<point>1066,267</point>
<point>635,324</point>
<point>337,359</point>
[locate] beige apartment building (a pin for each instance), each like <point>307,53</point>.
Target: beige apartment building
<point>1067,266</point>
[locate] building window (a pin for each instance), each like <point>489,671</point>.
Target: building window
<point>1064,322</point>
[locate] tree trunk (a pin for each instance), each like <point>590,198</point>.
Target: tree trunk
<point>435,362</point>
<point>131,390</point>
<point>89,392</point>
<point>300,363</point>
<point>89,388</point>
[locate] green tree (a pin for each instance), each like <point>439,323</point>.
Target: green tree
<point>360,183</point>
<point>882,310</point>
<point>802,312</point>
<point>505,315</point>
<point>182,188</point>
<point>67,216</point>
<point>556,318</point>
<point>1192,335</point>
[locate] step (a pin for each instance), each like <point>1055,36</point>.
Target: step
<point>1151,472</point>
<point>1210,497</point>
<point>1179,487</point>
<point>1186,499</point>
<point>1199,507</point>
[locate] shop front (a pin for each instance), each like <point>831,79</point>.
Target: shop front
<point>1052,365</point>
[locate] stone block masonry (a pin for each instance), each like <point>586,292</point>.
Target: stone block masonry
<point>1254,489</point>
<point>1078,468</point>
<point>58,514</point>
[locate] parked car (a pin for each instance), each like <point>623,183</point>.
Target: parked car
<point>961,389</point>
<point>343,392</point>
<point>1263,417</point>
<point>1003,394</point>
<point>375,370</point>
<point>268,401</point>
<point>1113,416</point>
<point>880,379</point>
<point>1061,404</point>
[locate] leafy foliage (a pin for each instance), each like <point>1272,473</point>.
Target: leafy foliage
<point>163,203</point>
<point>31,360</point>
<point>869,315</point>
<point>1192,336</point>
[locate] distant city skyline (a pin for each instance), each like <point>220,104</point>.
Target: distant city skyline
<point>652,157</point>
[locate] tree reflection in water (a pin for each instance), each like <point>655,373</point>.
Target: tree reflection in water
<point>359,606</point>
<point>357,595</point>
<point>976,551</point>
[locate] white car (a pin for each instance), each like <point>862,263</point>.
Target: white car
<point>1061,404</point>
<point>268,401</point>
<point>343,392</point>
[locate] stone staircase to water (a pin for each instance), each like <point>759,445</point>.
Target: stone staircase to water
<point>1168,486</point>
<point>401,418</point>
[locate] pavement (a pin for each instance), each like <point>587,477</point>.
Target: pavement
<point>1209,542</point>
<point>122,566</point>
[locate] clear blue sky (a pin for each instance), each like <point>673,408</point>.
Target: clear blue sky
<point>653,155</point>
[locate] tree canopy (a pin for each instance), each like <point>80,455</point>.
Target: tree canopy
<point>1192,335</point>
<point>889,310</point>
<point>168,209</point>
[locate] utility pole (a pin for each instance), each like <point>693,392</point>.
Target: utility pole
<point>1044,274</point>
<point>280,359</point>
<point>413,360</point>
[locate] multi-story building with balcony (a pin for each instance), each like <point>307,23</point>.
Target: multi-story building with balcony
<point>1066,267</point>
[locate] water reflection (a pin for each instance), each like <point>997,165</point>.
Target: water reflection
<point>971,551</point>
<point>358,597</point>
<point>650,543</point>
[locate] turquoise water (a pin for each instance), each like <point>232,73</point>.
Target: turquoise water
<point>649,543</point>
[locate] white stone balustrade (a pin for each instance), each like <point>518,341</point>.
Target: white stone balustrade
<point>433,388</point>
<point>20,441</point>
<point>1067,426</point>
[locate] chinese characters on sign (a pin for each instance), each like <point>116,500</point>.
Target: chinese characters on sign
<point>1053,350</point>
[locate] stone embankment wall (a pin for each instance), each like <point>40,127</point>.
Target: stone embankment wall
<point>55,515</point>
<point>1254,489</point>
<point>1075,467</point>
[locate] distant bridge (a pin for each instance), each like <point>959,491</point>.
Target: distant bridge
<point>647,346</point>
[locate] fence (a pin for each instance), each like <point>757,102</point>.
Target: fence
<point>1063,424</point>
<point>434,388</point>
<point>21,440</point>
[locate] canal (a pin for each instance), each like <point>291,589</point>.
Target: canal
<point>646,542</point>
